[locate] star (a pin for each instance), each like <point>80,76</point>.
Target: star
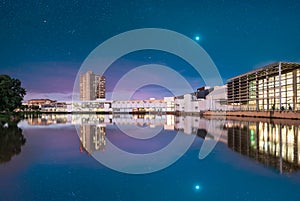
<point>197,38</point>
<point>197,188</point>
<point>45,21</point>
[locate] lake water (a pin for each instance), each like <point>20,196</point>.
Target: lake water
<point>104,157</point>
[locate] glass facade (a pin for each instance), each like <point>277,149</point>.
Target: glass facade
<point>273,87</point>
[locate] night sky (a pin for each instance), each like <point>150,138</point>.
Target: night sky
<point>43,43</point>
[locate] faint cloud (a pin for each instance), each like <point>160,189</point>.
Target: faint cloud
<point>47,77</point>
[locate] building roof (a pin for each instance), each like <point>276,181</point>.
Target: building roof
<point>41,100</point>
<point>291,65</point>
<point>142,101</point>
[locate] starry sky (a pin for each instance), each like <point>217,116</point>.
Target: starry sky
<point>43,43</point>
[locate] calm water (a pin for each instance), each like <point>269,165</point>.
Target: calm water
<point>52,157</point>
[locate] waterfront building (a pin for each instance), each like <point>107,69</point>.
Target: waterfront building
<point>144,106</point>
<point>92,86</point>
<point>202,92</point>
<point>215,100</point>
<point>47,105</point>
<point>101,106</point>
<point>272,87</point>
<point>187,104</point>
<point>55,107</point>
<point>169,104</point>
<point>39,102</point>
<point>206,98</point>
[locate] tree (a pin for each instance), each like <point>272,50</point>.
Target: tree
<point>11,93</point>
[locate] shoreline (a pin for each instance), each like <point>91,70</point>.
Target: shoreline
<point>291,115</point>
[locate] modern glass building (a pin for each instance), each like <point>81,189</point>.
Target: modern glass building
<point>272,87</point>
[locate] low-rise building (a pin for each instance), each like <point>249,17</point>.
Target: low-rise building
<point>39,102</point>
<point>216,100</point>
<point>101,106</point>
<point>55,107</point>
<point>206,98</point>
<point>143,106</point>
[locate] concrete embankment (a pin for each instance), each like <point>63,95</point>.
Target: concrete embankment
<point>257,114</point>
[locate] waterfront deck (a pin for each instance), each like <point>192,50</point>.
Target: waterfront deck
<point>256,114</point>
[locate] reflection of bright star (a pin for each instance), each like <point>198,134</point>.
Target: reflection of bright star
<point>197,38</point>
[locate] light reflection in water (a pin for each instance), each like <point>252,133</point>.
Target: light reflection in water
<point>92,137</point>
<point>272,144</point>
<point>275,145</point>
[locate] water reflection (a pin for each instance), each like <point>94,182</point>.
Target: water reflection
<point>42,119</point>
<point>274,144</point>
<point>92,138</point>
<point>11,139</point>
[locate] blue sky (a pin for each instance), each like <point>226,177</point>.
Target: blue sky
<point>43,43</point>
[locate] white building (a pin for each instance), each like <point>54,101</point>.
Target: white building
<point>187,103</point>
<point>92,106</point>
<point>148,106</point>
<point>215,100</point>
<point>190,104</point>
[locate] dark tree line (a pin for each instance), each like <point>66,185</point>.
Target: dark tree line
<point>11,136</point>
<point>11,93</point>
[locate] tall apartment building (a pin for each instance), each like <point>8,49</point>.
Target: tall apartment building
<point>92,86</point>
<point>100,86</point>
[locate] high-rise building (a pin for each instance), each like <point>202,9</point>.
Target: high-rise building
<point>100,86</point>
<point>92,86</point>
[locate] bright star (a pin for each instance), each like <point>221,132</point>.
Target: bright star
<point>197,38</point>
<point>197,187</point>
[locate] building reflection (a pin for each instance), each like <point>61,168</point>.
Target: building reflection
<point>144,120</point>
<point>204,128</point>
<point>275,145</point>
<point>92,138</point>
<point>47,119</point>
<point>91,119</point>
